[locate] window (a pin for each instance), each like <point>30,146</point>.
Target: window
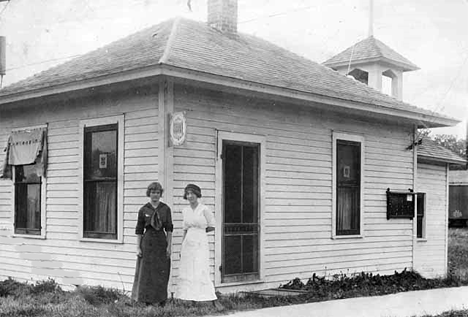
<point>347,179</point>
<point>27,199</point>
<point>26,165</point>
<point>420,206</point>
<point>102,149</point>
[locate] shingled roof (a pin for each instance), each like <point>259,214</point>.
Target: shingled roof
<point>368,50</point>
<point>430,150</point>
<point>196,47</point>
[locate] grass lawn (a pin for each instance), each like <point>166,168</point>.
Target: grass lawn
<point>47,299</point>
<point>458,262</point>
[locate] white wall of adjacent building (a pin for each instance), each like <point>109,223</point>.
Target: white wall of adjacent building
<point>431,250</point>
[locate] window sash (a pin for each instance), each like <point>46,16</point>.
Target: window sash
<point>421,198</point>
<point>28,204</point>
<point>100,191</point>
<point>348,187</point>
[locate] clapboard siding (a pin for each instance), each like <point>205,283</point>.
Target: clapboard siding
<point>61,255</point>
<point>430,254</point>
<point>298,189</point>
<point>298,193</point>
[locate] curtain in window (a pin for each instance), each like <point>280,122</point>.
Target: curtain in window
<point>34,207</point>
<point>26,147</point>
<point>105,215</point>
<point>348,209</point>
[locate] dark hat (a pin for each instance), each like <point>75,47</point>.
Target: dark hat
<point>194,189</point>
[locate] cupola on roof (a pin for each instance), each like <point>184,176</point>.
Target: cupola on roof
<point>370,50</point>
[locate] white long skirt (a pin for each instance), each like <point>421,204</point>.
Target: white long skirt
<point>194,282</point>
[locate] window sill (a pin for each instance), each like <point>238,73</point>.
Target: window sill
<point>28,236</point>
<point>221,285</point>
<point>360,236</point>
<point>421,239</point>
<point>101,240</point>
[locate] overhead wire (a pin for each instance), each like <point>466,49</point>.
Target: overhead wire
<point>440,106</point>
<point>4,8</point>
<point>189,4</point>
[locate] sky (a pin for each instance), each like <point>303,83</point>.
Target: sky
<point>433,34</point>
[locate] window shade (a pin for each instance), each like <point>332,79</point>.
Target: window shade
<point>25,147</point>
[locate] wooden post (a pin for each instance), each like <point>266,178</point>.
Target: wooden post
<point>166,154</point>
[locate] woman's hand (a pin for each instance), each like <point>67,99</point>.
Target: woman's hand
<point>168,252</point>
<point>139,252</point>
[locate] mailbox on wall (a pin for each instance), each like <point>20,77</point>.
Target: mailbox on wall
<point>400,204</point>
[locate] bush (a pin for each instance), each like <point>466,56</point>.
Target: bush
<point>10,287</point>
<point>367,284</point>
<point>98,295</point>
<point>48,286</point>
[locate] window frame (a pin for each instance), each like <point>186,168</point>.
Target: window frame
<point>424,217</point>
<point>119,120</point>
<point>352,138</point>
<point>43,204</point>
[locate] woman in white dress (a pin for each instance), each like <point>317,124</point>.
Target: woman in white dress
<point>194,282</point>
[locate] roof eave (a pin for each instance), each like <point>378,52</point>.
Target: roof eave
<point>82,84</point>
<point>405,67</point>
<point>441,160</point>
<point>421,120</point>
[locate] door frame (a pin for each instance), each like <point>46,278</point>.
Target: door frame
<point>239,137</point>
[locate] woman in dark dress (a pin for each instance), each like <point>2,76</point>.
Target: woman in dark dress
<point>154,237</point>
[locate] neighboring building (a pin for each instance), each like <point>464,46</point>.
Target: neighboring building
<point>294,158</point>
<point>430,256</point>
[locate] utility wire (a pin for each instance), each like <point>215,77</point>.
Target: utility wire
<point>4,8</point>
<point>43,62</point>
<point>451,86</point>
<point>276,14</point>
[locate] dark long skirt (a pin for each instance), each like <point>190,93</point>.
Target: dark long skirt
<point>152,269</point>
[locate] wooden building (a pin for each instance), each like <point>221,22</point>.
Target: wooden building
<point>432,215</point>
<point>294,158</point>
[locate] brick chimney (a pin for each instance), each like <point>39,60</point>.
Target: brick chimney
<point>222,15</point>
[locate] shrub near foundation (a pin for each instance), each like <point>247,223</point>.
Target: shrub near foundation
<point>367,284</point>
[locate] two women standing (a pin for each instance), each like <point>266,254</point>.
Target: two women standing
<point>154,250</point>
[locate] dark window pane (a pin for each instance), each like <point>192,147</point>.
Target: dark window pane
<point>101,153</point>
<point>347,211</point>
<point>420,214</point>
<point>419,230</point>
<point>348,162</point>
<point>232,251</point>
<point>100,217</point>
<point>27,174</point>
<point>232,183</point>
<point>100,182</point>
<point>250,186</point>
<point>27,200</point>
<point>250,254</point>
<point>420,203</point>
<point>348,189</point>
